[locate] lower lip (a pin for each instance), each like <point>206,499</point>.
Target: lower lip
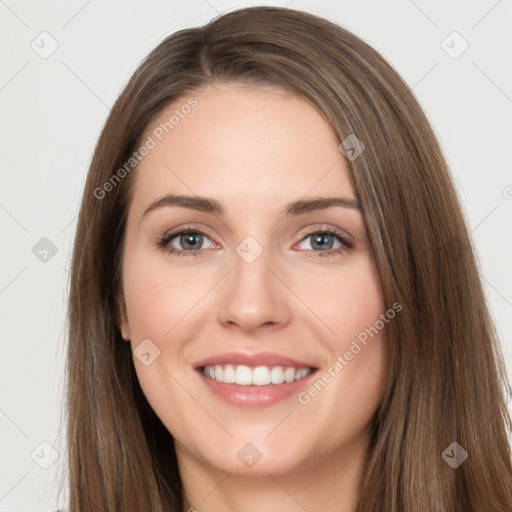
<point>255,396</point>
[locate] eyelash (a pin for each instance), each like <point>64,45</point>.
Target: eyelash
<point>164,241</point>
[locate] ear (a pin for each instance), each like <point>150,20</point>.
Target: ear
<point>122,318</point>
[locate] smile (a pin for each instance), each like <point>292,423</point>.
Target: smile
<point>254,381</point>
<point>242,375</point>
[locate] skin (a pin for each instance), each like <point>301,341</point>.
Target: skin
<point>254,149</point>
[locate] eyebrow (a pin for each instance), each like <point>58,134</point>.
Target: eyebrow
<point>207,205</point>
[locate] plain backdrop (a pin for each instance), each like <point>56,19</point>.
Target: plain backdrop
<point>64,64</point>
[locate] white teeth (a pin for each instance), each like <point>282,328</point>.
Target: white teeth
<point>229,374</point>
<point>243,375</point>
<point>277,375</point>
<point>300,374</point>
<point>259,376</point>
<point>289,374</point>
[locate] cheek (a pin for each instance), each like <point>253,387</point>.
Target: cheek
<point>157,295</point>
<point>157,299</point>
<point>350,386</point>
<point>162,303</point>
<point>350,303</point>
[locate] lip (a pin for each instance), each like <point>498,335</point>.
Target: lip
<point>254,397</point>
<point>252,360</point>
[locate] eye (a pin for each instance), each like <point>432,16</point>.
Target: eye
<point>189,241</point>
<point>327,242</point>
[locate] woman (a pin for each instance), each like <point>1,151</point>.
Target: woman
<point>275,304</point>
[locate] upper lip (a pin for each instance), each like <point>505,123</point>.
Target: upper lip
<point>252,360</point>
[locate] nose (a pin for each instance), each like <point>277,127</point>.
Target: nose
<point>254,297</point>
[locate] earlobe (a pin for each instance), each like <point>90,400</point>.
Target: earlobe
<point>125,331</point>
<point>123,320</point>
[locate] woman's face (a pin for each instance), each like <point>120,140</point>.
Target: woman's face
<point>265,285</point>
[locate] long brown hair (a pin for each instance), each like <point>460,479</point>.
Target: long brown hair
<point>446,382</point>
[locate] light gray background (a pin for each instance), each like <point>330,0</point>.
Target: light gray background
<point>53,109</point>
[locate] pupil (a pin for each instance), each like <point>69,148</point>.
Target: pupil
<point>319,240</point>
<point>189,239</point>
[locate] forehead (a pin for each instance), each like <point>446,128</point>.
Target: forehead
<point>241,144</point>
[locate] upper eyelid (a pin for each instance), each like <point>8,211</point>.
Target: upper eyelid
<point>335,231</point>
<point>172,233</point>
<point>329,228</point>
